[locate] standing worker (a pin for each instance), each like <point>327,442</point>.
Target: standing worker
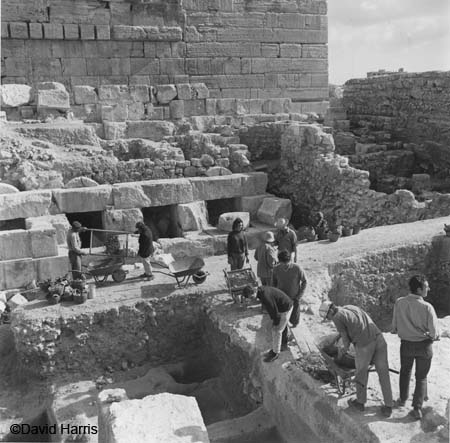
<point>355,326</point>
<point>291,279</point>
<point>266,257</point>
<point>286,238</point>
<point>415,322</point>
<point>279,307</point>
<point>237,247</point>
<point>75,252</point>
<point>146,249</point>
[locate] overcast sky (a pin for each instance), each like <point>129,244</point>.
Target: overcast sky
<point>367,35</point>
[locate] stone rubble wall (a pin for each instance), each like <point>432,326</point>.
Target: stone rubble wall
<point>413,108</point>
<point>315,178</point>
<point>249,50</point>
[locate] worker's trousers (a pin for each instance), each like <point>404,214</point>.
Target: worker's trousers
<point>277,331</point>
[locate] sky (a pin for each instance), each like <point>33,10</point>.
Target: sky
<point>368,35</point>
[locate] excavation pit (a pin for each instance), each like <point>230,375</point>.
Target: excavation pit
<point>117,330</point>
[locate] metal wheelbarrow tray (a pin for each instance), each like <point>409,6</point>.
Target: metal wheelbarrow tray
<point>237,280</point>
<point>183,269</point>
<point>105,266</point>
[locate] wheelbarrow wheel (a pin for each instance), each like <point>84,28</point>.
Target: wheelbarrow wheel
<point>100,279</point>
<point>119,275</point>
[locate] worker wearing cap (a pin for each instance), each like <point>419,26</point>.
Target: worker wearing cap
<point>146,249</point>
<point>355,326</point>
<point>75,252</point>
<point>286,238</point>
<point>266,256</point>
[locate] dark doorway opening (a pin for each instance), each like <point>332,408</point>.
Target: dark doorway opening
<point>9,225</point>
<point>163,221</point>
<point>217,207</point>
<point>90,220</point>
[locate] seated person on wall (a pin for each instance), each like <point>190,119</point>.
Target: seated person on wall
<point>146,248</point>
<point>75,252</point>
<point>355,326</point>
<point>320,225</point>
<point>291,279</point>
<point>266,256</point>
<point>279,307</point>
<point>237,248</point>
<point>286,238</point>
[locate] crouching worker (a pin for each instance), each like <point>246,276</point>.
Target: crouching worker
<point>279,307</point>
<point>355,326</point>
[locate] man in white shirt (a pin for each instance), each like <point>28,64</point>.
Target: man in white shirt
<point>415,322</point>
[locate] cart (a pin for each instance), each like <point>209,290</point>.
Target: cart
<point>342,376</point>
<point>183,269</point>
<point>237,280</point>
<point>109,259</point>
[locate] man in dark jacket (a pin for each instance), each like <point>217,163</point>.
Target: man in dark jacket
<point>279,307</point>
<point>146,249</point>
<point>237,248</point>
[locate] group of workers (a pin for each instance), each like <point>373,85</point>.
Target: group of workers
<point>145,251</point>
<point>283,283</point>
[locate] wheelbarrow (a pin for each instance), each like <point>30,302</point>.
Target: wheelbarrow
<point>237,280</point>
<point>183,269</point>
<point>105,266</point>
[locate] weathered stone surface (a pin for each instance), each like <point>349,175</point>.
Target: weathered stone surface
<point>130,195</point>
<point>251,204</point>
<point>114,130</point>
<point>213,188</point>
<point>127,420</point>
<point>25,204</point>
<point>273,208</point>
<point>217,170</point>
<point>81,182</point>
<point>227,219</point>
<point>59,222</point>
<point>254,183</point>
<point>18,273</point>
<point>12,95</point>
<point>52,95</point>
<point>14,244</point>
<point>193,216</point>
<point>5,188</point>
<point>43,242</point>
<point>17,300</point>
<point>85,95</point>
<point>168,192</point>
<point>153,130</point>
<point>121,219</point>
<point>51,267</point>
<point>96,198</point>
<point>165,93</point>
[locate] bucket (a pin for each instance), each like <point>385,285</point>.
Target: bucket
<point>91,291</point>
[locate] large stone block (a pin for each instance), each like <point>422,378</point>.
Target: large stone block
<point>165,93</point>
<point>14,244</point>
<point>130,195</point>
<point>254,183</point>
<point>81,182</point>
<point>127,420</point>
<point>214,188</point>
<point>153,130</point>
<point>59,222</point>
<point>193,216</point>
<point>251,204</point>
<point>13,95</point>
<point>273,208</point>
<point>83,199</point>
<point>18,273</point>
<point>5,188</point>
<point>168,192</point>
<point>25,204</point>
<point>181,247</point>
<point>227,219</point>
<point>85,95</point>
<point>43,242</point>
<point>121,219</point>
<point>51,267</point>
<point>52,95</point>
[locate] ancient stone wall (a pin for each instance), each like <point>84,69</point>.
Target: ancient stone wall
<point>315,178</point>
<point>248,49</point>
<point>413,108</point>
